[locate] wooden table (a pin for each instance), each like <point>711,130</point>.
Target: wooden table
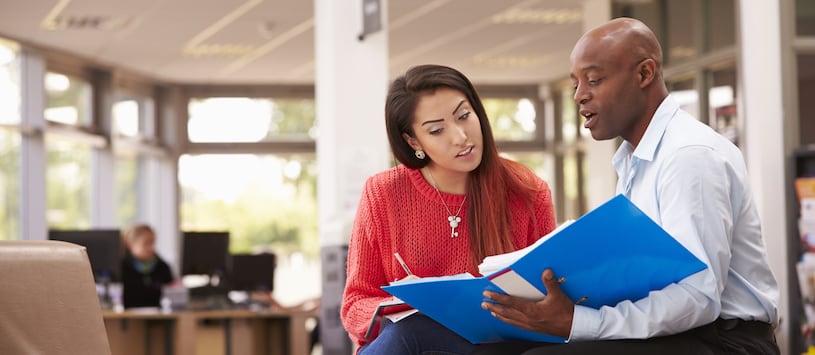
<point>216,332</point>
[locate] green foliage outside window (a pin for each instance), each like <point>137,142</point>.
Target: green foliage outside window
<point>511,119</point>
<point>292,117</point>
<point>9,185</point>
<point>126,178</point>
<point>273,208</point>
<point>68,183</point>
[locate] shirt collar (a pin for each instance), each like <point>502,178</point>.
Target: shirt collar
<point>653,134</point>
<point>647,147</point>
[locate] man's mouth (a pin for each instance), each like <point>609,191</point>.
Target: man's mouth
<point>589,115</point>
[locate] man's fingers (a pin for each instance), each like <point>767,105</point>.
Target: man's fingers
<point>549,281</point>
<point>499,298</point>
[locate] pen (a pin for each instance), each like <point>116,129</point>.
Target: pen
<point>402,262</point>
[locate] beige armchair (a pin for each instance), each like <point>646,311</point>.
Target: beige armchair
<point>48,301</point>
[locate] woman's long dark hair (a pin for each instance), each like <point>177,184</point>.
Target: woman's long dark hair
<point>490,185</point>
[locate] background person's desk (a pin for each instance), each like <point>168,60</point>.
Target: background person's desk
<point>216,332</point>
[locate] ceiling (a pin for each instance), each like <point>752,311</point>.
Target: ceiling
<point>272,41</point>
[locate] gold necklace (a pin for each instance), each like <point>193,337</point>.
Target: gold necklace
<point>454,219</point>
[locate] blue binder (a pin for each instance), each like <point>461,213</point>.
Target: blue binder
<point>613,253</point>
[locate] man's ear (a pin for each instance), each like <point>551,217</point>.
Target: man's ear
<point>411,141</point>
<point>647,72</point>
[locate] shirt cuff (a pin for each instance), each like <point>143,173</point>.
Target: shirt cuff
<point>585,324</point>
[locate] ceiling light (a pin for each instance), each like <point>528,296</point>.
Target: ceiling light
<point>543,16</point>
<point>218,50</point>
<point>88,22</point>
<point>510,61</point>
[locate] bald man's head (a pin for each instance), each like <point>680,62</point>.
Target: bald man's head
<point>624,40</point>
<point>617,73</point>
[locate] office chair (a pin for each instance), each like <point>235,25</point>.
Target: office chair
<point>49,301</point>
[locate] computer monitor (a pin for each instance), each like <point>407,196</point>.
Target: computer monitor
<point>253,272</point>
<point>104,248</point>
<point>205,253</point>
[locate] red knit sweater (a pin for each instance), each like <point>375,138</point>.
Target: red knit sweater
<point>400,212</point>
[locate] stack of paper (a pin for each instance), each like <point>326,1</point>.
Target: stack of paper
<point>494,263</point>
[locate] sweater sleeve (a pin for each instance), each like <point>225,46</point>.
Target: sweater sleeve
<point>365,269</point>
<point>544,210</point>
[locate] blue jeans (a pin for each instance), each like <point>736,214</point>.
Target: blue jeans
<point>416,335</point>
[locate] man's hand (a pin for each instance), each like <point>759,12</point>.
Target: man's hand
<point>551,315</point>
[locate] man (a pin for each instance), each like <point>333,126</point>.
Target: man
<point>691,181</point>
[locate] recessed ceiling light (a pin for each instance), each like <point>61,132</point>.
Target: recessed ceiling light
<point>218,50</point>
<point>542,16</point>
<point>510,61</point>
<point>88,22</point>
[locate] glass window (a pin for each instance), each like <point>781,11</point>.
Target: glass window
<point>512,119</point>
<point>266,202</point>
<point>134,116</point>
<point>721,24</point>
<point>646,11</point>
<point>9,184</point>
<point>683,32</point>
<point>68,100</point>
<point>569,117</point>
<point>127,189</point>
<point>571,186</point>
<point>126,118</point>
<point>684,92</point>
<point>805,17</point>
<point>68,183</point>
<point>722,101</point>
<point>806,95</point>
<point>243,119</point>
<point>542,163</point>
<point>9,82</point>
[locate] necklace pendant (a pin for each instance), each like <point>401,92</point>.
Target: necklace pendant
<point>454,220</point>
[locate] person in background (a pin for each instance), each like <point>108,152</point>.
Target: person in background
<point>144,273</point>
<point>451,202</point>
<point>691,181</point>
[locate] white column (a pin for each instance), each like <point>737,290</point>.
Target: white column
<point>351,84</point>
<point>762,109</point>
<point>600,175</point>
<point>33,224</point>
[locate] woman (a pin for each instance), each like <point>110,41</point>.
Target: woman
<point>143,271</point>
<point>451,202</point>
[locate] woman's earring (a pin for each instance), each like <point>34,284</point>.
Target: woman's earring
<point>420,154</point>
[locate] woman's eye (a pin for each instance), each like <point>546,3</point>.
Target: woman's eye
<point>435,131</point>
<point>464,116</point>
